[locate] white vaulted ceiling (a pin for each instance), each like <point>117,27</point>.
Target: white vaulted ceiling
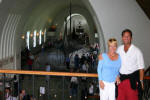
<point>20,16</point>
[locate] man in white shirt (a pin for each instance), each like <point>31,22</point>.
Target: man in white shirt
<point>132,68</point>
<point>73,86</point>
<point>74,79</point>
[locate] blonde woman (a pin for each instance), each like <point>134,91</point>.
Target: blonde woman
<point>108,70</point>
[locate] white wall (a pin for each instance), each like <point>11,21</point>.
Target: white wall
<point>116,15</point>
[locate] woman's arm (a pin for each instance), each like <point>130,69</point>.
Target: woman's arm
<point>99,71</point>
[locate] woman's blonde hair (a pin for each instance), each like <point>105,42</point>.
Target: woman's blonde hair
<point>112,41</point>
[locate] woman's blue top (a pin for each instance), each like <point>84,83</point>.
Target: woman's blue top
<point>108,69</point>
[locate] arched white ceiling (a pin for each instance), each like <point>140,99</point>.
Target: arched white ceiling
<point>33,14</point>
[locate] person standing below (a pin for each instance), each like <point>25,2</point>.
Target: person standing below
<point>74,86</point>
<point>29,63</point>
<point>131,71</point>
<point>68,62</point>
<point>42,49</point>
<point>76,61</point>
<point>108,69</point>
<point>48,69</point>
<point>91,89</point>
<point>22,94</point>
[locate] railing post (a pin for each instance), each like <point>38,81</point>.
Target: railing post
<point>78,90</point>
<point>33,84</point>
<point>18,86</point>
<point>63,88</point>
<point>4,86</point>
<point>48,87</point>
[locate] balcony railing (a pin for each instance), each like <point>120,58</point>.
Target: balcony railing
<point>42,85</point>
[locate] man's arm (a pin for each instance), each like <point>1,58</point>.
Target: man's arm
<point>142,77</point>
<point>141,65</point>
<point>141,74</point>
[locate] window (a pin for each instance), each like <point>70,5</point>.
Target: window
<point>27,39</point>
<point>40,37</point>
<point>34,39</point>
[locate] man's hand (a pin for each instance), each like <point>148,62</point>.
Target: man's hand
<point>142,85</point>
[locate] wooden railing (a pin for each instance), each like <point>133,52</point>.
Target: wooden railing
<point>33,74</point>
<point>53,73</point>
<point>62,74</point>
<point>48,73</point>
